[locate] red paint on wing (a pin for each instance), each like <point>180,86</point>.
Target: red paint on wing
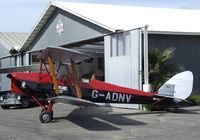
<point>99,85</point>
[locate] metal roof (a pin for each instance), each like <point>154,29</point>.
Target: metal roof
<point>12,40</point>
<point>38,26</point>
<point>120,17</point>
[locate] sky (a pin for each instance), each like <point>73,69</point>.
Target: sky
<point>22,15</point>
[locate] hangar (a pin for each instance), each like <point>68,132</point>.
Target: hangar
<point>9,42</point>
<point>74,25</point>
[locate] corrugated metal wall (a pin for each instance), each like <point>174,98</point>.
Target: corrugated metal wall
<point>6,63</point>
<point>7,42</point>
<point>186,53</point>
<point>124,69</point>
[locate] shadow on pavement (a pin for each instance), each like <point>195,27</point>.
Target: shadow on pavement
<point>98,119</point>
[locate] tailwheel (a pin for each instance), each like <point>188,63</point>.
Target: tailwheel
<point>46,117</point>
<point>174,109</point>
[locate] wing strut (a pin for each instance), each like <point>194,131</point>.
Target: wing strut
<point>76,83</point>
<point>53,74</point>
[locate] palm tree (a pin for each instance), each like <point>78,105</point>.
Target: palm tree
<point>160,69</point>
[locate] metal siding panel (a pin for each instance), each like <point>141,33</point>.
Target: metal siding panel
<point>26,59</point>
<point>75,29</point>
<point>3,51</point>
<point>12,61</point>
<point>123,70</point>
<point>135,58</point>
<point>5,83</point>
<point>5,63</point>
<point>186,53</point>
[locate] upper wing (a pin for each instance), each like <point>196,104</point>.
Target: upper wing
<point>62,55</point>
<point>58,54</point>
<point>72,101</point>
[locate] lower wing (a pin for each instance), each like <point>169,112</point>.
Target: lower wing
<point>72,101</point>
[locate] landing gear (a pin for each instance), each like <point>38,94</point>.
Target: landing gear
<point>174,109</point>
<point>45,116</point>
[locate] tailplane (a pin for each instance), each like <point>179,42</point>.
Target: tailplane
<point>178,87</point>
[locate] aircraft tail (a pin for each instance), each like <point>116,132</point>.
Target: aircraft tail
<point>179,87</point>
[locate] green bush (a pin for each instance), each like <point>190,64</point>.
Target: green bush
<point>151,107</point>
<point>160,70</point>
<point>195,99</point>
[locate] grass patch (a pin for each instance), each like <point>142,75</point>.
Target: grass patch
<point>151,107</point>
<point>195,99</point>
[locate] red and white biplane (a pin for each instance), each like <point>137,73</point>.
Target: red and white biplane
<point>46,88</point>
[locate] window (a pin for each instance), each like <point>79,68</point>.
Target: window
<point>120,44</point>
<point>34,58</point>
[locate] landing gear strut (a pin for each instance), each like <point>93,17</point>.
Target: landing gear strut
<point>46,114</point>
<point>46,117</point>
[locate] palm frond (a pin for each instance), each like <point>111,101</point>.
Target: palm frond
<point>160,70</point>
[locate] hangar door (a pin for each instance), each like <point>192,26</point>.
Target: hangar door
<point>123,58</point>
<point>123,64</point>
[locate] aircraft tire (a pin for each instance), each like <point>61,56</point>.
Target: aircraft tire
<point>46,117</point>
<point>5,106</point>
<point>45,110</point>
<point>25,103</point>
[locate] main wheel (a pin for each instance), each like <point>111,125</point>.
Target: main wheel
<point>25,103</point>
<point>5,106</point>
<point>45,117</point>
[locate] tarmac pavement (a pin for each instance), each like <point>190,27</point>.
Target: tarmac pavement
<point>100,123</point>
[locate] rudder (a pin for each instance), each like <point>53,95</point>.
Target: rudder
<point>178,87</point>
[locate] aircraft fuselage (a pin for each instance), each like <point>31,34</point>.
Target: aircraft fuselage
<point>40,85</point>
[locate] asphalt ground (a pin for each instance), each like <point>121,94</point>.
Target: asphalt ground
<point>72,123</point>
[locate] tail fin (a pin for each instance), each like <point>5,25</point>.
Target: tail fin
<point>178,87</point>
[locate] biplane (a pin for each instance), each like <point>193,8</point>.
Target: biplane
<point>48,87</point>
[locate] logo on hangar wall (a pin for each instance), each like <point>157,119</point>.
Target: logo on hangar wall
<point>59,27</point>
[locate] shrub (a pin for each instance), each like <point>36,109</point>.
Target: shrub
<point>151,107</point>
<point>160,70</point>
<point>195,99</point>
